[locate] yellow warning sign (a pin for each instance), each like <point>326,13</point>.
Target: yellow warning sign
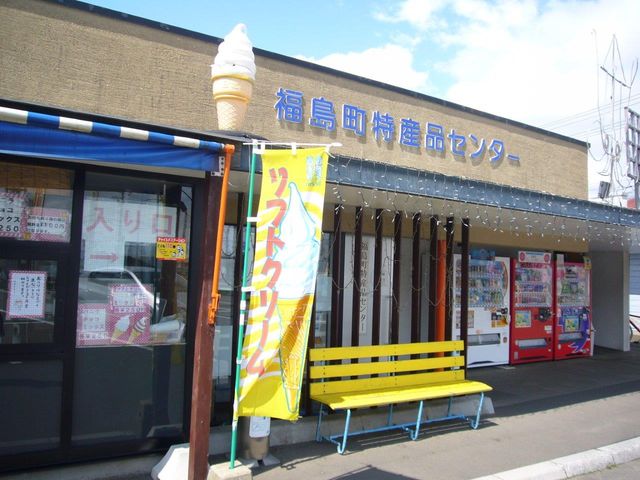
<point>171,248</point>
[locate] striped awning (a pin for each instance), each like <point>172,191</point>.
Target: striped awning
<point>36,134</point>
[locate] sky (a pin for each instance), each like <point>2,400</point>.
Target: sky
<point>540,62</point>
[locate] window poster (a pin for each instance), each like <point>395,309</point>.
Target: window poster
<point>124,320</point>
<point>171,248</point>
<point>27,294</point>
<point>129,320</point>
<point>93,328</point>
<point>47,224</point>
<point>108,224</point>
<point>12,216</point>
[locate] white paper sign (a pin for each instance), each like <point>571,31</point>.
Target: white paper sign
<point>108,224</point>
<point>26,294</point>
<point>259,427</point>
<point>11,214</point>
<point>525,256</point>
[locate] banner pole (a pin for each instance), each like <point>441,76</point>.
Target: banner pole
<point>243,310</point>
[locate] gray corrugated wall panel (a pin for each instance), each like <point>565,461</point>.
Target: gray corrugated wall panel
<point>634,274</point>
<point>360,173</point>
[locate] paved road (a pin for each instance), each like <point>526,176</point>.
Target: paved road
<point>625,471</point>
<point>456,452</point>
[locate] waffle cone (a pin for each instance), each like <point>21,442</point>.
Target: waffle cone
<point>232,95</point>
<point>117,333</point>
<point>134,335</point>
<point>292,348</point>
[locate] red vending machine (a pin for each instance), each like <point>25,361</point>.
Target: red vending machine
<point>573,309</point>
<point>531,307</point>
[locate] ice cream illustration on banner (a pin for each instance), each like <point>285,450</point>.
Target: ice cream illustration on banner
<point>138,329</point>
<point>296,282</point>
<point>121,327</point>
<point>233,73</point>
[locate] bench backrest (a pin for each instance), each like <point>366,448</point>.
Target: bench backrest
<point>383,366</point>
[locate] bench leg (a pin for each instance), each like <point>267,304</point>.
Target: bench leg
<point>475,422</point>
<point>390,415</point>
<point>345,435</point>
<point>413,433</point>
<point>320,413</point>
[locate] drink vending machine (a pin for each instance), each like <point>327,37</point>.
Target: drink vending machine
<point>531,307</point>
<point>573,309</point>
<point>488,332</point>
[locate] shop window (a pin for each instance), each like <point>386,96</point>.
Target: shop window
<point>323,294</point>
<point>224,350</point>
<point>35,202</point>
<point>132,309</point>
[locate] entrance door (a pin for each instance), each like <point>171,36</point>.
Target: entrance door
<point>35,225</point>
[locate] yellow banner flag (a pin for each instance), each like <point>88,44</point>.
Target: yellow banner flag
<point>287,250</point>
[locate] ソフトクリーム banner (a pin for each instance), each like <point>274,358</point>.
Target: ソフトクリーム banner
<point>287,249</point>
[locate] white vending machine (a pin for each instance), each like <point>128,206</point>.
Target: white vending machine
<point>489,315</point>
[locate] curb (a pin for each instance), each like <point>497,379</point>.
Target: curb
<point>573,465</point>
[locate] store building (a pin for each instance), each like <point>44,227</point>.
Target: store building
<point>410,170</point>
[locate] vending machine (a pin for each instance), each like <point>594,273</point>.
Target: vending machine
<point>488,330</point>
<point>573,309</point>
<point>531,307</point>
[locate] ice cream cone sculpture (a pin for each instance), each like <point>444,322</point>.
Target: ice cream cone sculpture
<point>121,327</point>
<point>233,73</point>
<point>138,329</point>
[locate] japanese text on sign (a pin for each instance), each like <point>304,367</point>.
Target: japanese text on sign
<point>384,127</point>
<point>11,214</point>
<point>171,248</point>
<point>27,293</point>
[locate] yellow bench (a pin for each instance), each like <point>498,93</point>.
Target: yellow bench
<point>387,375</point>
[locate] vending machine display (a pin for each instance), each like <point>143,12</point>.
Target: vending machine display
<point>488,329</point>
<point>531,307</point>
<point>573,310</point>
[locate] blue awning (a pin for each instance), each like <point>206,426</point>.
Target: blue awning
<point>38,135</point>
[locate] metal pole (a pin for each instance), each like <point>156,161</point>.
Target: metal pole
<point>464,289</point>
<point>243,310</point>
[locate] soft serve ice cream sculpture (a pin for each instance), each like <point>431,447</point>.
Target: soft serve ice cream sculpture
<point>233,73</point>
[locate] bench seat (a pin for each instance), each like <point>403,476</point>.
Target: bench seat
<point>347,378</point>
<point>388,396</point>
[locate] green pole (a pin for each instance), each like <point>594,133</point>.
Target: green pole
<point>243,310</point>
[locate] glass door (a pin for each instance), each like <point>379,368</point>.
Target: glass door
<point>130,357</point>
<point>35,226</point>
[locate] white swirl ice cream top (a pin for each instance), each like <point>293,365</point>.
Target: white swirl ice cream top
<point>235,55</point>
<point>301,250</point>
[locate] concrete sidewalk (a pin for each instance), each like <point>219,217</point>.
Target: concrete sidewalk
<point>543,412</point>
<point>456,452</point>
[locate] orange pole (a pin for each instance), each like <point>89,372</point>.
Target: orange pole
<point>441,293</point>
<point>215,295</point>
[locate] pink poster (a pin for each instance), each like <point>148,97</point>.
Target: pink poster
<point>93,328</point>
<point>130,307</point>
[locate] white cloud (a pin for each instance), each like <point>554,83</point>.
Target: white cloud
<point>537,63</point>
<point>533,61</point>
<point>392,64</point>
<point>419,13</point>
